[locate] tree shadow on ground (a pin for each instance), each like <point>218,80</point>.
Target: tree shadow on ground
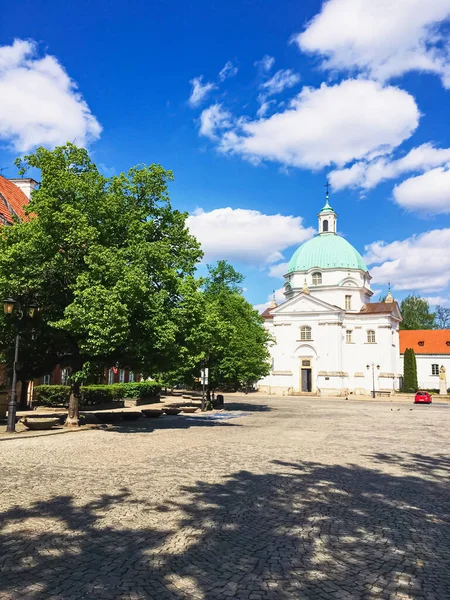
<point>299,531</point>
<point>247,406</point>
<point>148,425</point>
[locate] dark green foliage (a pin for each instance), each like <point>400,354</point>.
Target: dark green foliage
<point>140,390</point>
<point>52,395</point>
<point>409,371</point>
<point>100,394</point>
<point>58,395</point>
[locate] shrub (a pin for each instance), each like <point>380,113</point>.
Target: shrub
<point>52,395</point>
<point>141,389</point>
<point>100,394</point>
<point>58,395</point>
<point>409,371</point>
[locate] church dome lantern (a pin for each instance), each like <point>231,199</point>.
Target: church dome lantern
<point>327,250</point>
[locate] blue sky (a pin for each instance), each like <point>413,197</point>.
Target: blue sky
<point>254,105</point>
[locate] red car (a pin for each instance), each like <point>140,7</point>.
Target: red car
<point>422,398</point>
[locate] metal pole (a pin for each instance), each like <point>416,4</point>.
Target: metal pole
<point>203,389</point>
<point>373,380</point>
<point>12,406</point>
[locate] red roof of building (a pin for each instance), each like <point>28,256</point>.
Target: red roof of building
<point>425,341</point>
<point>267,313</point>
<point>12,201</point>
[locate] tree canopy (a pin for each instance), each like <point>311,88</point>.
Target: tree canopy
<point>416,313</point>
<point>112,267</point>
<point>109,261</point>
<point>235,340</point>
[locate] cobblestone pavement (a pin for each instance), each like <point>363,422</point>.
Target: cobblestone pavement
<point>297,499</point>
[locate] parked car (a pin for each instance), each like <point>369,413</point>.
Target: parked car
<point>422,398</point>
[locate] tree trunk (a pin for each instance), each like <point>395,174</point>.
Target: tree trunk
<point>23,394</point>
<point>73,415</point>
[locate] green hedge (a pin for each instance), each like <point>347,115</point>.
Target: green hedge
<point>58,395</point>
<point>52,395</point>
<point>140,389</point>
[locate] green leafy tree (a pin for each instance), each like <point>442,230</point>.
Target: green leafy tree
<point>109,261</point>
<point>416,313</point>
<point>409,371</point>
<point>234,339</point>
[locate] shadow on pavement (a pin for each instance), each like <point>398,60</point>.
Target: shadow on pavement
<point>302,531</point>
<point>149,425</point>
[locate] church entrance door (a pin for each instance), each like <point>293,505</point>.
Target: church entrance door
<point>306,380</point>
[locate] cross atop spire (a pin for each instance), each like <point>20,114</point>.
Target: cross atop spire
<point>389,298</point>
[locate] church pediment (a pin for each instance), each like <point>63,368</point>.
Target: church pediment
<point>305,303</point>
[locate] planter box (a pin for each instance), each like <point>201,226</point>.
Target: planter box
<point>104,406</point>
<point>141,401</point>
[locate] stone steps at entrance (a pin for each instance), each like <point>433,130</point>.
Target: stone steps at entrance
<point>303,394</point>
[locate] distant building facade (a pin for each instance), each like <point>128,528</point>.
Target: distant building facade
<point>432,349</point>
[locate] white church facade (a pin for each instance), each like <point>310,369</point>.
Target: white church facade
<point>329,338</point>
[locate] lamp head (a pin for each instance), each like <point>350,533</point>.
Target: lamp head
<point>8,306</point>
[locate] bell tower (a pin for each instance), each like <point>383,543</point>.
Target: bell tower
<point>327,217</point>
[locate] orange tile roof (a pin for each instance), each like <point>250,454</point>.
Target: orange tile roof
<point>435,341</point>
<point>14,197</point>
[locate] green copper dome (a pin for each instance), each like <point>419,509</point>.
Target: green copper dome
<point>326,251</point>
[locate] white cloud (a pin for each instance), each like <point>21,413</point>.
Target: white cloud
<point>381,38</point>
<point>265,64</point>
<point>247,236</point>
<point>214,119</point>
<point>428,193</point>
<point>39,103</point>
<point>420,263</point>
<point>281,80</point>
<point>229,70</point>
<point>265,106</point>
<point>367,175</point>
<point>200,91</point>
<point>438,301</point>
<point>278,270</point>
<point>354,119</point>
<point>279,299</point>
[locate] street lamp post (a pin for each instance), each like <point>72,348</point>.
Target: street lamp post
<point>9,307</point>
<point>373,376</point>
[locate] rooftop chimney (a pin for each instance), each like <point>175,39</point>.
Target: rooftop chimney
<point>26,184</point>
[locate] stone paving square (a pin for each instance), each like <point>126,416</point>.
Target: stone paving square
<point>297,498</point>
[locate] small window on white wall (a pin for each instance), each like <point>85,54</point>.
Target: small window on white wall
<point>349,336</point>
<point>348,303</point>
<point>371,336</point>
<point>317,278</point>
<point>305,333</point>
<point>435,369</point>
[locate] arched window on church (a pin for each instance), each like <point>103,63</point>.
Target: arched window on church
<point>317,278</point>
<point>305,333</point>
<point>325,225</point>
